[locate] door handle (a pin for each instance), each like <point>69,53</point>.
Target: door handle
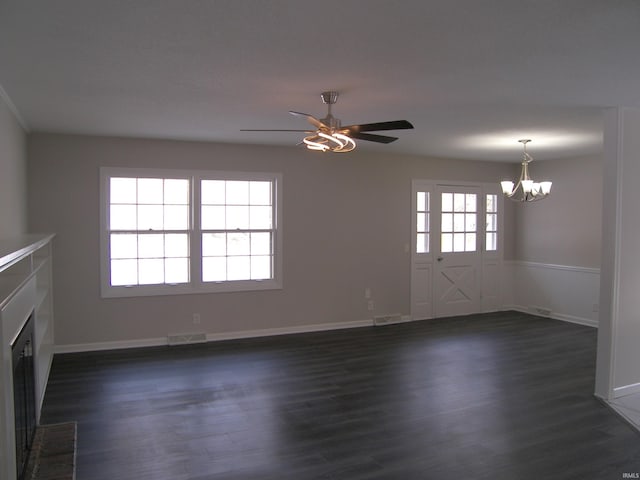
<point>439,259</point>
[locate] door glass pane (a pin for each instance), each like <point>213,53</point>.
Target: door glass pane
<point>458,222</point>
<point>470,202</point>
<point>491,203</point>
<point>458,202</point>
<point>491,222</point>
<point>470,242</point>
<point>447,202</point>
<point>420,202</point>
<point>491,241</point>
<point>421,224</point>
<point>447,222</point>
<point>458,242</point>
<point>470,222</point>
<point>422,242</point>
<point>446,242</point>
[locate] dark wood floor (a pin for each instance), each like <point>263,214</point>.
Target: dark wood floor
<point>492,396</point>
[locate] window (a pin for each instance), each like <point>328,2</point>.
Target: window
<point>167,232</point>
<point>491,229</point>
<point>237,230</point>
<point>458,225</point>
<point>422,222</point>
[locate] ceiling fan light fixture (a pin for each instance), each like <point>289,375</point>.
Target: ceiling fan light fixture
<point>335,142</point>
<point>331,136</point>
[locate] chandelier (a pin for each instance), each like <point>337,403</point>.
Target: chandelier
<point>526,190</point>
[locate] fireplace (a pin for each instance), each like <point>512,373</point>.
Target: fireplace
<point>24,395</point>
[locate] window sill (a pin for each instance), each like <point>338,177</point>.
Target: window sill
<point>190,289</point>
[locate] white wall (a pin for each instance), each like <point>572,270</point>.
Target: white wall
<point>617,371</point>
<point>564,229</point>
<point>13,174</point>
<point>346,224</point>
<point>557,243</point>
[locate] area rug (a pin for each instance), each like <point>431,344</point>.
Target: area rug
<point>53,455</point>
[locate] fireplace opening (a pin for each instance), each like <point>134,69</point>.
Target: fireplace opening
<point>24,397</point>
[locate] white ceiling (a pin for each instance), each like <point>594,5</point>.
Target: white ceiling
<point>472,76</point>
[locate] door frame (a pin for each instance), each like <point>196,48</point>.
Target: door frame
<point>422,264</point>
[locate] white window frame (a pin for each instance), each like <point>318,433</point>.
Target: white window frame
<point>195,284</point>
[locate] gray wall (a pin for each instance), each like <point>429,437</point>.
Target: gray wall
<point>13,175</point>
<point>564,229</point>
<point>346,222</point>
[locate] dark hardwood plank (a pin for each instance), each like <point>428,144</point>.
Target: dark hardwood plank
<point>492,396</point>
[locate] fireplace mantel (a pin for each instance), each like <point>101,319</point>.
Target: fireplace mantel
<point>25,289</point>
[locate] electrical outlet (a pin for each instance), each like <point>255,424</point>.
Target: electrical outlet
<point>196,318</point>
<point>370,305</point>
<point>596,308</point>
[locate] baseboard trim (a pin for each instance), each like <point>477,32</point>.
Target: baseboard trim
<point>587,322</point>
<point>213,337</point>
<point>117,345</point>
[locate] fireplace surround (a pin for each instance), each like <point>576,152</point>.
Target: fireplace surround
<point>24,395</point>
<point>26,343</point>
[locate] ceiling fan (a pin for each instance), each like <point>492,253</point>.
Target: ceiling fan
<point>331,136</point>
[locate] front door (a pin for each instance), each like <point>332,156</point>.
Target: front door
<point>457,250</point>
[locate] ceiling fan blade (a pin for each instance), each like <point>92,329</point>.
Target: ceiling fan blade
<point>371,127</point>
<point>371,137</point>
<point>311,119</point>
<point>273,130</point>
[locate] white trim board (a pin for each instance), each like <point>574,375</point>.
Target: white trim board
<point>212,337</point>
<point>626,390</point>
<point>587,322</point>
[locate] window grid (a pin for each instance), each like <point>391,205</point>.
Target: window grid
<point>458,229</point>
<point>148,237</point>
<point>158,237</point>
<point>491,228</point>
<point>237,230</point>
<point>423,213</point>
